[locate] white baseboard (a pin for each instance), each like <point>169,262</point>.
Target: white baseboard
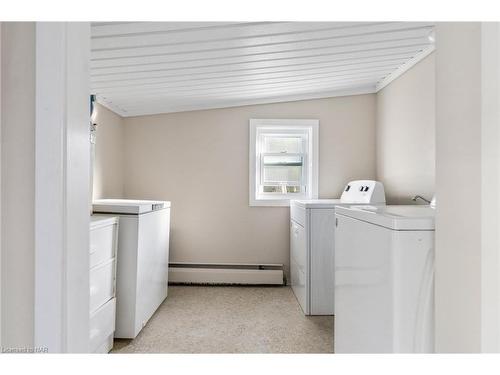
<point>225,275</point>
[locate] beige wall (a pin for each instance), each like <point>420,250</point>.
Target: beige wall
<point>406,134</point>
<point>458,187</point>
<point>467,185</point>
<point>109,152</point>
<point>18,183</point>
<point>199,161</point>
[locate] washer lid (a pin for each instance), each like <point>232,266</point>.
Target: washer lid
<point>315,203</point>
<point>404,217</point>
<point>127,206</point>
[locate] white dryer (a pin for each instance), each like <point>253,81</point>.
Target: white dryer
<point>312,242</point>
<point>384,262</point>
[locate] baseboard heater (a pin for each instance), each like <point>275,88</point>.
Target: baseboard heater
<point>226,274</point>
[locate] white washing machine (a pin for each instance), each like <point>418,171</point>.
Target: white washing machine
<point>312,229</point>
<point>142,260</point>
<point>384,279</point>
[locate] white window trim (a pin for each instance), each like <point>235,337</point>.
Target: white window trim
<point>313,159</point>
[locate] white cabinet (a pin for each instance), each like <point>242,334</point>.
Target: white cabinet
<point>142,267</point>
<point>103,245</point>
<point>142,279</point>
<point>312,257</point>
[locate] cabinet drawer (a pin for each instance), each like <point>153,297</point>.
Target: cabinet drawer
<point>102,244</point>
<point>102,284</point>
<point>298,214</point>
<point>102,325</point>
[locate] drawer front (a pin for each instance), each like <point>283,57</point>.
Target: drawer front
<point>102,244</point>
<point>102,284</point>
<point>102,325</point>
<point>298,214</point>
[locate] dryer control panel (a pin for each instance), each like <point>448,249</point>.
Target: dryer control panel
<point>363,191</point>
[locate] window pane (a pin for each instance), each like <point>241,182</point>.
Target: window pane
<point>280,189</point>
<point>291,145</point>
<point>293,189</point>
<point>283,174</point>
<point>284,160</point>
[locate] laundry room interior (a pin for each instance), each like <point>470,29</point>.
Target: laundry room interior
<point>266,187</point>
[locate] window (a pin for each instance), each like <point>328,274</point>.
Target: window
<point>283,161</point>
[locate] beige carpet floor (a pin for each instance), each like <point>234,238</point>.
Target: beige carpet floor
<point>199,319</point>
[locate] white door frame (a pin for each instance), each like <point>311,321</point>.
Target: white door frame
<point>0,186</point>
<point>62,187</point>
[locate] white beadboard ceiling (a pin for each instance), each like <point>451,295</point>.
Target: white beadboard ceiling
<point>159,67</point>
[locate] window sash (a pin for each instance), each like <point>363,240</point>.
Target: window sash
<point>267,137</point>
<point>267,154</point>
<point>301,183</point>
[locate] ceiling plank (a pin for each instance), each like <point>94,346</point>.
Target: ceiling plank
<point>326,55</point>
<point>229,40</point>
<point>291,49</point>
<point>248,90</point>
<point>225,71</point>
<point>165,107</point>
<point>198,86</point>
<point>271,97</point>
<point>235,31</point>
<point>246,78</point>
<point>140,28</point>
